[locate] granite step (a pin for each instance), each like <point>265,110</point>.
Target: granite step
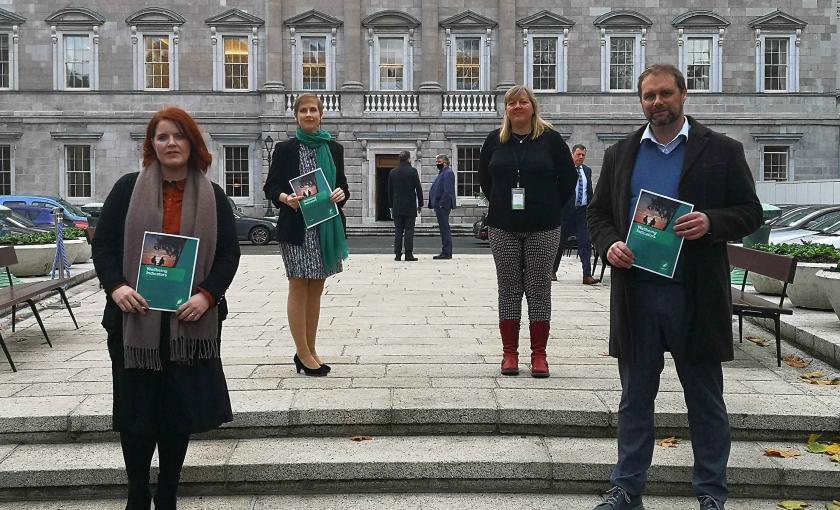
<point>407,464</point>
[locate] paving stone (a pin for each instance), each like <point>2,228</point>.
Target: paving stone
<point>66,388</point>
<point>94,414</point>
<point>451,405</point>
<point>549,407</point>
<point>37,414</point>
<point>7,390</point>
<point>341,406</point>
<point>63,465</point>
<point>260,408</point>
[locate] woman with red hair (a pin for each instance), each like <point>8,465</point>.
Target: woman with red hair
<point>166,366</point>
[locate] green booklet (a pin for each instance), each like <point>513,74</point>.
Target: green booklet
<point>315,203</point>
<point>167,269</point>
<point>652,239</point>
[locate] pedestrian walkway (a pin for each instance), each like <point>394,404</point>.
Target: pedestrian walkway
<point>415,353</point>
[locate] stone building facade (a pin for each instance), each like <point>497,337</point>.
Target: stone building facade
<point>79,83</point>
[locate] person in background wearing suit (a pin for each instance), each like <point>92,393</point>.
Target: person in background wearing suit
<point>403,189</point>
<point>442,200</point>
<point>689,314</point>
<point>574,218</point>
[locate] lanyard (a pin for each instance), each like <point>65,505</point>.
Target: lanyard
<point>519,156</point>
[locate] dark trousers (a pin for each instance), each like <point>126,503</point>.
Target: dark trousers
<point>661,321</point>
<point>445,232</point>
<point>404,229</point>
<point>574,222</point>
<point>137,452</point>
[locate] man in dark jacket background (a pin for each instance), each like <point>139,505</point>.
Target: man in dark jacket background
<point>442,200</point>
<point>689,314</point>
<point>403,191</point>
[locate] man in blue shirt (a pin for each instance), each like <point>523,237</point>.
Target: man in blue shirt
<point>574,218</point>
<point>442,200</point>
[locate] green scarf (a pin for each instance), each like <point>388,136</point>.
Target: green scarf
<point>333,241</point>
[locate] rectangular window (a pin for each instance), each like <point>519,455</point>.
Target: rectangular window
<point>776,63</point>
<point>5,170</point>
<point>391,63</point>
<point>314,63</point>
<point>237,174</point>
<point>468,63</point>
<point>236,63</point>
<point>776,162</point>
<point>157,61</point>
<point>5,61</point>
<point>77,57</point>
<point>468,170</point>
<point>698,63</point>
<point>622,50</point>
<point>545,63</point>
<point>78,170</point>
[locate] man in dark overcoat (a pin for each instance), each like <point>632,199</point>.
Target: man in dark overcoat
<point>689,314</point>
<point>405,196</point>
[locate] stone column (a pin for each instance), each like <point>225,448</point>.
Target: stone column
<point>274,45</point>
<point>352,45</point>
<point>506,44</point>
<point>430,32</point>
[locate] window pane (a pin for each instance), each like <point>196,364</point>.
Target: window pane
<point>391,63</point>
<point>699,63</point>
<point>314,63</point>
<point>157,61</point>
<point>468,170</point>
<point>776,162</point>
<point>467,63</point>
<point>5,170</point>
<point>78,170</point>
<point>236,63</point>
<point>545,63</point>
<point>237,175</point>
<point>77,61</point>
<point>775,63</point>
<point>622,51</point>
<point>4,61</point>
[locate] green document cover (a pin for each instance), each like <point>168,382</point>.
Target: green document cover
<point>315,203</point>
<point>652,239</point>
<point>167,268</point>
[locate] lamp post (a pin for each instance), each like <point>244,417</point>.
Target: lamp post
<point>268,144</point>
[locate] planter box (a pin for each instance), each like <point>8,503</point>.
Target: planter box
<point>85,251</point>
<point>766,285</point>
<point>829,281</point>
<point>806,291</point>
<point>37,259</point>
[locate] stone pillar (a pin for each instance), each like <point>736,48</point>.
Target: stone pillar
<point>352,45</point>
<point>506,44</point>
<point>273,27</point>
<point>430,32</point>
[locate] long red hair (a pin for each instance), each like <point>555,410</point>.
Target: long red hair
<point>200,157</point>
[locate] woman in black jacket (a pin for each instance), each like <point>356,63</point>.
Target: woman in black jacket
<point>526,172</point>
<point>167,372</point>
<point>310,255</point>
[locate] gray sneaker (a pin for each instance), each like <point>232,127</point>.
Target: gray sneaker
<point>619,499</point>
<point>709,503</point>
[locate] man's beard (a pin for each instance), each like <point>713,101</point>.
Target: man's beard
<point>667,119</point>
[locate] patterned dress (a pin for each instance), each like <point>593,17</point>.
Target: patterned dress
<point>304,260</point>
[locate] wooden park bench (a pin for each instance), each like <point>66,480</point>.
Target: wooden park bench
<point>779,267</point>
<point>14,295</point>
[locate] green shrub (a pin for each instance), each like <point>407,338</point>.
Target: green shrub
<point>804,252</point>
<point>70,234</point>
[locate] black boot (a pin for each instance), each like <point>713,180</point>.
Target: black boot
<point>409,257</point>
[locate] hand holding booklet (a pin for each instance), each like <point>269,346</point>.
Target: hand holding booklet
<point>652,238</point>
<point>167,269</point>
<point>314,193</point>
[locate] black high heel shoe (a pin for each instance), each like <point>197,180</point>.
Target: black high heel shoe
<point>318,372</point>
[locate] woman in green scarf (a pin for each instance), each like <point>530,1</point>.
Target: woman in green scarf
<point>310,255</point>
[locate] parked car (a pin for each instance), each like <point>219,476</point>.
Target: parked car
<point>824,231</point>
<point>257,230</point>
<point>92,209</point>
<point>818,220</point>
<point>15,223</point>
<point>40,216</point>
<point>799,216</point>
<point>70,211</point>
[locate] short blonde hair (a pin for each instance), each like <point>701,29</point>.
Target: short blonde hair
<point>307,96</point>
<point>538,124</point>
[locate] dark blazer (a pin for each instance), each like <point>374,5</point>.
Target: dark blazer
<point>718,181</point>
<point>442,192</point>
<point>403,188</point>
<point>285,166</point>
<point>570,203</point>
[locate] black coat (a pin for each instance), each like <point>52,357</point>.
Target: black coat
<point>285,166</point>
<point>404,190</point>
<point>180,398</point>
<point>717,180</point>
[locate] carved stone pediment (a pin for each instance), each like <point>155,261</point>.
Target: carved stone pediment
<point>235,18</point>
<point>155,17</point>
<point>8,18</point>
<point>390,19</point>
<point>777,20</point>
<point>700,19</point>
<point>75,16</point>
<point>545,19</point>
<point>468,20</point>
<point>622,19</point>
<point>313,19</point>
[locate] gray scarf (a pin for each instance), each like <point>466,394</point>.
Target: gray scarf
<point>142,333</point>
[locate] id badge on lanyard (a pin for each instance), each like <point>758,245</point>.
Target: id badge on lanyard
<point>517,199</point>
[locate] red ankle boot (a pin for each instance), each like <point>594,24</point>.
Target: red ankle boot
<point>539,339</point>
<point>510,343</point>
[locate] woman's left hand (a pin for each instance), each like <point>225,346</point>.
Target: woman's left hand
<point>337,195</point>
<point>193,309</point>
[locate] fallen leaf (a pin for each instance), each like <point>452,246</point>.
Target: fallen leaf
<point>836,458</point>
<point>604,353</point>
<point>784,454</point>
<point>361,438</point>
<point>758,341</point>
<point>833,449</point>
<point>669,442</point>
<point>812,438</point>
<point>812,375</point>
<point>825,382</point>
<point>834,505</point>
<point>796,361</point>
<point>816,448</point>
<point>793,505</point>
